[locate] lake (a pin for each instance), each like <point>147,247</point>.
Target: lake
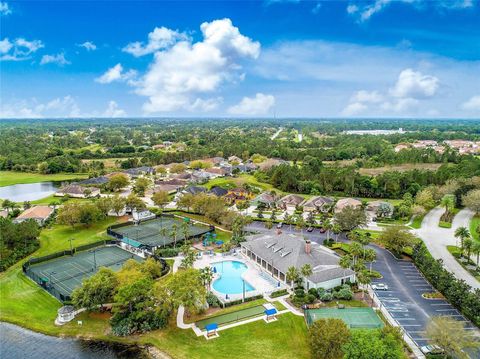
<point>19,343</point>
<point>28,191</point>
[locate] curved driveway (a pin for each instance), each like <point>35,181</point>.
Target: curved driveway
<point>437,239</point>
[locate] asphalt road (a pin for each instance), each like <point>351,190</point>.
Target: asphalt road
<point>403,299</point>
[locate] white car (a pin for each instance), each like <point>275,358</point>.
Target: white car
<point>431,349</point>
<point>380,286</point>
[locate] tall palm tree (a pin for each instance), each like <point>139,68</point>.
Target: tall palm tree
<point>476,249</point>
<point>206,274</point>
<point>306,270</point>
<point>369,256</point>
<point>173,234</point>
<point>356,249</point>
<point>164,234</point>
<point>336,230</point>
<point>292,274</point>
<point>468,243</point>
<point>364,279</point>
<point>462,233</point>
<point>328,226</point>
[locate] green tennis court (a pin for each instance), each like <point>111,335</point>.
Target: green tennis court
<point>228,318</point>
<point>159,232</point>
<point>66,273</point>
<point>353,317</point>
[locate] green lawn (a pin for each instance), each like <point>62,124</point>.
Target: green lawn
<point>473,227</point>
<point>8,178</point>
<point>417,222</point>
<point>239,181</point>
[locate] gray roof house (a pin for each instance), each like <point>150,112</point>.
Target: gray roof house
<point>275,253</point>
<point>136,172</point>
<point>318,203</point>
<point>290,201</point>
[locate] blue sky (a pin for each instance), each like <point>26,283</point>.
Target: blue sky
<point>380,58</point>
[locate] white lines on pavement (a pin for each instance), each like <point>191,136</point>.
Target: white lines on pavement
<point>445,310</point>
<point>411,325</point>
<point>440,304</point>
<point>400,319</point>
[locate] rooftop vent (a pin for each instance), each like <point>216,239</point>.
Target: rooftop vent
<point>286,253</point>
<point>275,250</point>
<point>269,245</point>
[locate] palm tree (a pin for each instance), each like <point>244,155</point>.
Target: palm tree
<point>185,230</point>
<point>448,201</point>
<point>173,234</point>
<point>356,249</point>
<point>468,243</point>
<point>328,226</point>
<point>336,230</point>
<point>206,274</point>
<point>346,262</point>
<point>364,279</point>
<point>306,270</point>
<point>476,249</point>
<point>369,256</point>
<point>164,234</point>
<point>462,233</point>
<point>292,274</point>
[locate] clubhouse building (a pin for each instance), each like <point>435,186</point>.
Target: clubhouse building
<point>275,253</point>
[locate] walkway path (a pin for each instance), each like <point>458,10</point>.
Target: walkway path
<point>437,239</point>
<point>276,133</point>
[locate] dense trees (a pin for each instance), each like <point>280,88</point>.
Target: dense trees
<point>350,218</point>
<point>327,337</point>
<point>472,200</point>
<point>383,343</point>
<point>396,238</point>
<point>17,241</point>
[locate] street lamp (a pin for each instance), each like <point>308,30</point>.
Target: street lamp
<point>71,247</point>
<point>94,259</point>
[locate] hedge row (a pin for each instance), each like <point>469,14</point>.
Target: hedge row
<point>456,291</point>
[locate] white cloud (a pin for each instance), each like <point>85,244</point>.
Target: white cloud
<point>473,104</point>
<point>253,106</point>
<point>400,105</point>
<point>414,84</point>
<point>59,107</point>
<point>159,39</point>
<point>114,111</point>
<point>5,46</point>
<point>316,8</point>
<point>355,108</point>
<point>367,96</point>
<point>4,8</point>
<point>179,75</point>
<point>88,45</point>
<point>116,73</point>
<point>352,9</point>
<point>58,59</point>
<point>19,50</point>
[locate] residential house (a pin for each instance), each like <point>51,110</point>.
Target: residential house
<point>271,162</point>
<point>234,160</point>
<point>98,181</point>
<point>265,199</point>
<point>194,190</point>
<point>38,213</point>
<point>347,202</point>
<point>140,171</point>
<point>218,191</point>
<point>275,253</point>
<point>290,202</point>
<point>379,209</point>
<point>77,191</point>
<point>218,171</point>
<point>237,195</point>
<point>318,204</point>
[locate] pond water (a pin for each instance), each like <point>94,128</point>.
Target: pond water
<point>18,343</point>
<point>28,191</point>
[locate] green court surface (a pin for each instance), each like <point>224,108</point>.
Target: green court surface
<point>66,273</point>
<point>159,232</point>
<point>353,317</point>
<point>228,318</point>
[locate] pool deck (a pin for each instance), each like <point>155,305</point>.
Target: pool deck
<point>252,276</point>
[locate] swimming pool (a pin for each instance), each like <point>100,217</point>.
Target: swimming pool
<point>230,278</point>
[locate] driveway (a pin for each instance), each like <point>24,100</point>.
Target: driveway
<point>437,239</point>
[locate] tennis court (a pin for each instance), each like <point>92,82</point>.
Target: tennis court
<point>353,317</point>
<point>159,232</point>
<point>66,273</point>
<point>228,318</point>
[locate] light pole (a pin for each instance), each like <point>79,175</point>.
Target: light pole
<point>94,259</point>
<point>243,282</point>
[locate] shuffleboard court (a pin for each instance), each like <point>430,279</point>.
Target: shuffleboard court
<point>227,318</point>
<point>66,273</point>
<point>159,232</point>
<point>353,317</point>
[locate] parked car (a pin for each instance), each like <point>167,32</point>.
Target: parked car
<point>431,349</point>
<point>380,286</point>
<point>310,229</point>
<point>322,230</point>
<point>280,225</point>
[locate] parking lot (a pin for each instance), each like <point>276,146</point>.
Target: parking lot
<point>404,300</point>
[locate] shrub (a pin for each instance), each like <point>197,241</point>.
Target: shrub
<point>167,252</point>
<point>313,291</point>
<point>212,300</point>
<point>310,298</point>
<point>299,292</point>
<point>320,292</point>
<point>326,297</point>
<point>278,293</point>
<point>344,293</point>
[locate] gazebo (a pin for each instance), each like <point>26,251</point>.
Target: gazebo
<point>65,314</point>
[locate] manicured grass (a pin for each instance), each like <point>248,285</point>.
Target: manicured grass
<point>456,253</point>
<point>239,181</point>
<point>221,235</point>
<point>347,303</point>
<point>443,224</point>
<point>8,178</point>
<point>417,222</point>
<point>234,308</point>
<point>475,222</point>
<point>285,339</point>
